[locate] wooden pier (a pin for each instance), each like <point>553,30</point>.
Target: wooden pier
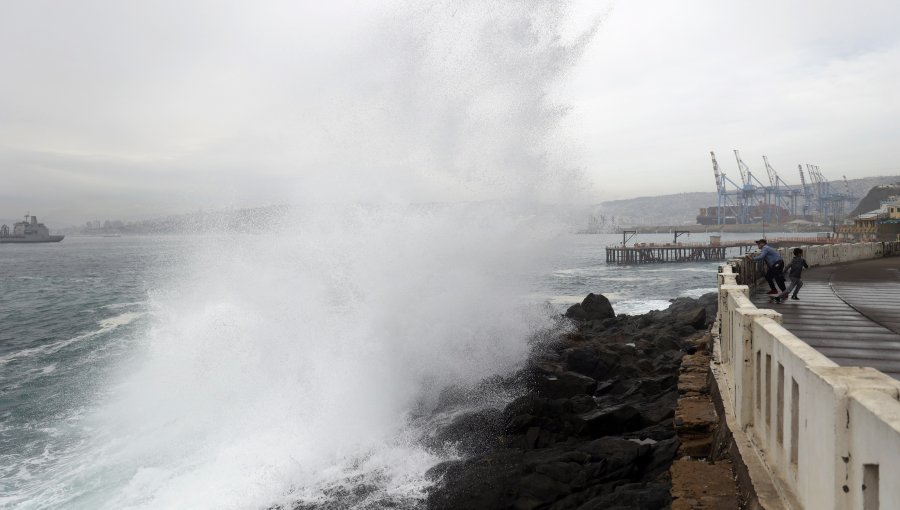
<point>653,253</point>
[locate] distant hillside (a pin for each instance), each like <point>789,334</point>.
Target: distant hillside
<point>238,220</point>
<point>609,216</point>
<point>873,199</point>
<point>682,208</point>
<point>861,187</point>
<point>677,209</point>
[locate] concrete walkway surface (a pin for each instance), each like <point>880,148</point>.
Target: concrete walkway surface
<point>848,312</point>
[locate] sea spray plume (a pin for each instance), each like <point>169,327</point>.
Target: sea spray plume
<point>289,361</point>
<point>448,101</point>
<point>297,357</point>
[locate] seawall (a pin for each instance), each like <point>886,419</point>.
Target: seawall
<point>806,432</point>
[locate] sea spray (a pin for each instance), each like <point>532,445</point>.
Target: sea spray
<point>283,365</point>
<point>298,356</point>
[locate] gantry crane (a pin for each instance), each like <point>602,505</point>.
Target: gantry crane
<point>780,196</point>
<point>729,201</point>
<point>807,194</point>
<point>829,205</point>
<point>752,185</point>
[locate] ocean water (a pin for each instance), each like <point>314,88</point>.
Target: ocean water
<point>72,314</point>
<point>228,372</point>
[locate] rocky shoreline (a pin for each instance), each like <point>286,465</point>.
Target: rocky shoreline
<point>596,428</point>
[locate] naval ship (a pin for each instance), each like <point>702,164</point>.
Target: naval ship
<point>28,231</point>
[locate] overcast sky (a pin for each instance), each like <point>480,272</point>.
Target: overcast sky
<point>130,110</point>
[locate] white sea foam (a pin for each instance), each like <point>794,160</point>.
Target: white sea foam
<point>695,293</point>
<point>569,299</point>
<point>29,375</point>
<point>115,306</point>
<point>106,325</point>
<point>637,307</point>
<point>119,320</point>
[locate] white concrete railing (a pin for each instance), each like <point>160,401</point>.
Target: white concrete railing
<point>829,435</point>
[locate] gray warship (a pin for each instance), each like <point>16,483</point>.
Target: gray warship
<point>28,231</point>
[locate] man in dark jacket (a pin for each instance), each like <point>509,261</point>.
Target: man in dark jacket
<point>775,265</point>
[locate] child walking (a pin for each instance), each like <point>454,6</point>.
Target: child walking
<point>794,269</point>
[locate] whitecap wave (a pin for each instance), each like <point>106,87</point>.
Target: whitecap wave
<point>695,293</point>
<point>106,325</point>
<point>637,307</point>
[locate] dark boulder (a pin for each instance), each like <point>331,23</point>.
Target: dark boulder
<point>597,307</point>
<point>613,420</point>
<point>635,496</point>
<point>695,318</point>
<point>470,433</point>
<point>709,301</point>
<point>661,456</point>
<point>591,361</point>
<point>581,404</point>
<point>542,488</point>
<point>576,312</point>
<point>687,311</point>
<point>485,482</point>
<point>565,385</point>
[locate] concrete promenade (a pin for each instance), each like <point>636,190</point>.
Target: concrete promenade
<point>815,424</point>
<point>849,312</point>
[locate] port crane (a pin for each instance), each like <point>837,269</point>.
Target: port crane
<point>780,194</point>
<point>825,203</point>
<point>729,202</point>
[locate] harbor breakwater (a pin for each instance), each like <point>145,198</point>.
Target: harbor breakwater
<point>595,428</point>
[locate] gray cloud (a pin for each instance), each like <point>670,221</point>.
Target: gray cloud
<point>136,109</point>
<point>802,82</point>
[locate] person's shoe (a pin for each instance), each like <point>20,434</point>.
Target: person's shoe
<point>772,292</point>
<point>795,297</point>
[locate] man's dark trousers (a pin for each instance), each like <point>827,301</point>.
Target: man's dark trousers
<point>776,273</point>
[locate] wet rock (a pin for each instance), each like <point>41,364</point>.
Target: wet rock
<point>695,318</point>
<point>576,311</point>
<point>542,488</point>
<point>470,433</point>
<point>486,482</point>
<point>631,497</point>
<point>710,302</point>
<point>596,428</point>
<point>566,384</point>
<point>583,360</point>
<point>581,404</point>
<point>615,420</point>
<point>566,453</point>
<point>594,308</point>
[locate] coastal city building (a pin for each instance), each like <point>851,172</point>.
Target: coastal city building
<point>882,224</point>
